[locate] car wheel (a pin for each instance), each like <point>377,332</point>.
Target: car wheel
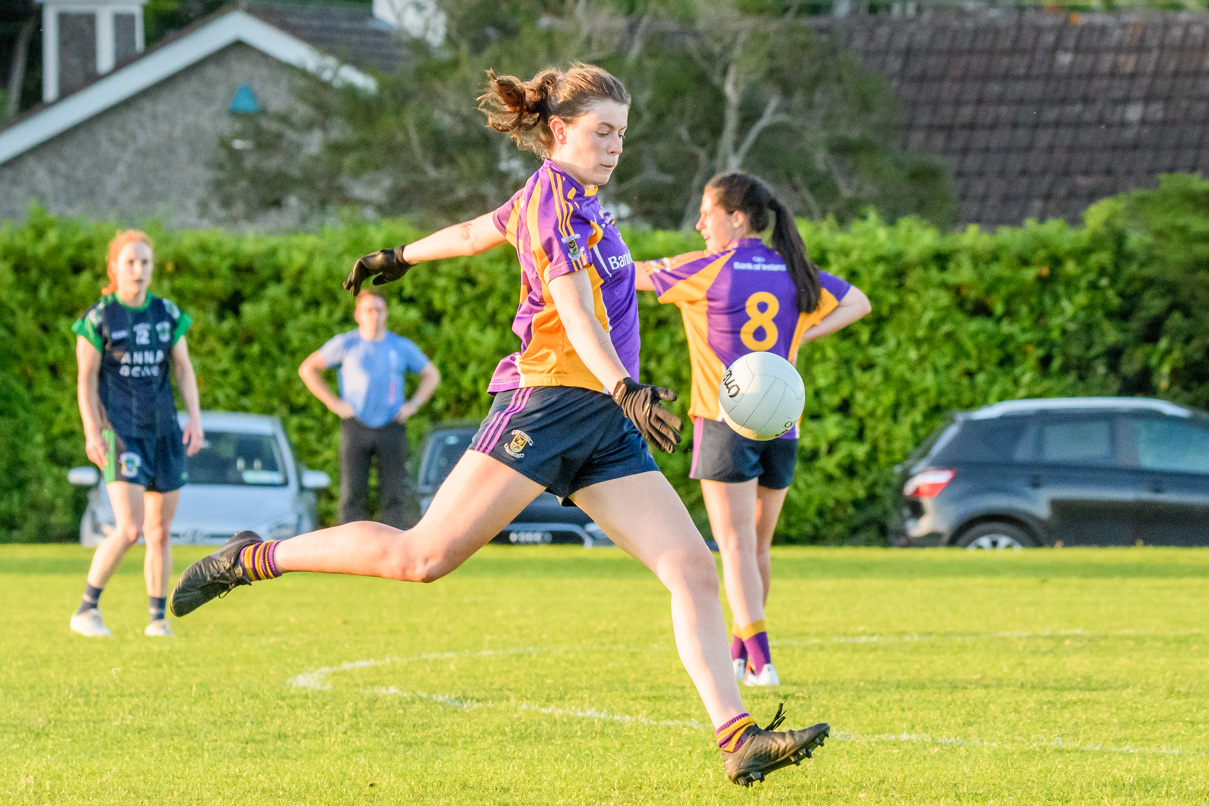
<point>995,535</point>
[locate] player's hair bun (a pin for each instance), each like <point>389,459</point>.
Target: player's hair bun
<point>523,109</point>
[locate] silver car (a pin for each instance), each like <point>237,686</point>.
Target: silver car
<point>244,477</point>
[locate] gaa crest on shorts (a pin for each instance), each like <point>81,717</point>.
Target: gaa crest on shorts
<point>516,448</point>
<point>129,464</point>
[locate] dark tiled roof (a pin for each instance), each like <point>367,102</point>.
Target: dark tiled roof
<point>348,32</point>
<point>1039,115</point>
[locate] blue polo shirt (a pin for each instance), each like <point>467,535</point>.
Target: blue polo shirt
<point>371,373</point>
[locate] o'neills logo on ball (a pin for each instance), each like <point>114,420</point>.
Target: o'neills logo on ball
<point>729,383</point>
<point>515,448</point>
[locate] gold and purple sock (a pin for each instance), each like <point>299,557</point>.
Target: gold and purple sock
<point>259,561</point>
<point>738,650</point>
<point>730,735</point>
<point>755,638</point>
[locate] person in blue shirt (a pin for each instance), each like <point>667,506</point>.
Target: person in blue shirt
<point>372,364</point>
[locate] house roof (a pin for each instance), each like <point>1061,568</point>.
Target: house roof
<point>349,32</point>
<point>289,33</point>
<point>1039,115</point>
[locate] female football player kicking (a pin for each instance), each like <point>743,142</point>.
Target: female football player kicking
<point>569,415</point>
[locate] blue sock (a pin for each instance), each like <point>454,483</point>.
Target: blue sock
<point>156,606</point>
<point>91,597</point>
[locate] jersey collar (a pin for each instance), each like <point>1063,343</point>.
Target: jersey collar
<point>574,187</point>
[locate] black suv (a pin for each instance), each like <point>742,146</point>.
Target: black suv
<point>543,521</point>
<point>1062,471</point>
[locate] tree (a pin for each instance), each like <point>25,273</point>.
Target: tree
<point>18,24</point>
<point>714,88</point>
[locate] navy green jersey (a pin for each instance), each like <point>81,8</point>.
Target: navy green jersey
<point>136,352</point>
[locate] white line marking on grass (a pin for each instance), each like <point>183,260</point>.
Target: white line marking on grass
<point>591,713</point>
<point>916,637</point>
<point>915,738</point>
<point>317,678</point>
<point>601,715</point>
<point>440,699</point>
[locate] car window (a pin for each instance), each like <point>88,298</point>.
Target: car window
<point>998,439</point>
<point>444,450</point>
<point>232,458</point>
<point>1169,444</point>
<point>934,441</point>
<point>1085,441</point>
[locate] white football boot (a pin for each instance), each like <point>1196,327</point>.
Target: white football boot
<point>740,669</point>
<point>766,677</point>
<point>89,623</point>
<point>159,629</point>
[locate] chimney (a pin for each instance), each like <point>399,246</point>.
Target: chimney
<point>83,39</point>
<point>420,19</point>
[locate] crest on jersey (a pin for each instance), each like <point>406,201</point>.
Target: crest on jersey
<point>163,330</point>
<point>129,464</point>
<point>520,441</point>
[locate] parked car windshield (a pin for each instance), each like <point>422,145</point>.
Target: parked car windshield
<point>238,459</point>
<point>443,453</point>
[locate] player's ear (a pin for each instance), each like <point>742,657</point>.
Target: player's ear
<point>558,128</point>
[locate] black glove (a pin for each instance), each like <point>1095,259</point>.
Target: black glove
<point>640,403</point>
<point>384,266</point>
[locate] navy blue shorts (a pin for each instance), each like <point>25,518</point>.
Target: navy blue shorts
<point>156,463</point>
<point>721,454</point>
<point>563,437</point>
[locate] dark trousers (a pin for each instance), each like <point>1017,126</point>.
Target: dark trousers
<point>359,446</point>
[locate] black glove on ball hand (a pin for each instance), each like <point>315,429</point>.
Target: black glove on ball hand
<point>385,266</point>
<point>640,403</point>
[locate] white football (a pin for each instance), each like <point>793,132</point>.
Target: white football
<point>762,396</point>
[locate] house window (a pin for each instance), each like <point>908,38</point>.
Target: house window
<point>77,50</point>
<point>124,44</point>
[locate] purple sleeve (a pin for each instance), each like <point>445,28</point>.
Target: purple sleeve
<point>671,271</point>
<point>834,285</point>
<point>504,212</point>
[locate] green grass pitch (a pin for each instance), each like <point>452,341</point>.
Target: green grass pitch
<point>548,675</point>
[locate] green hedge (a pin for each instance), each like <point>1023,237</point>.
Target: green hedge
<point>959,320</point>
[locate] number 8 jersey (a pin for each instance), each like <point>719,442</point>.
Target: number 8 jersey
<point>737,301</point>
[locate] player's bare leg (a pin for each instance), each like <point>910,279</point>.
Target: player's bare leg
<point>160,508</point>
<point>643,515</point>
<point>732,517</point>
<point>733,509</point>
<point>768,512</point>
<point>480,497</point>
<point>127,502</point>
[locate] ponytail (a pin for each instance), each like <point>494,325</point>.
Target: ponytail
<point>523,109</point>
<point>740,192</point>
<point>787,242</point>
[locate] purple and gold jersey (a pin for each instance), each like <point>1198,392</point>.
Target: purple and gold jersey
<point>737,301</point>
<point>557,227</point>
